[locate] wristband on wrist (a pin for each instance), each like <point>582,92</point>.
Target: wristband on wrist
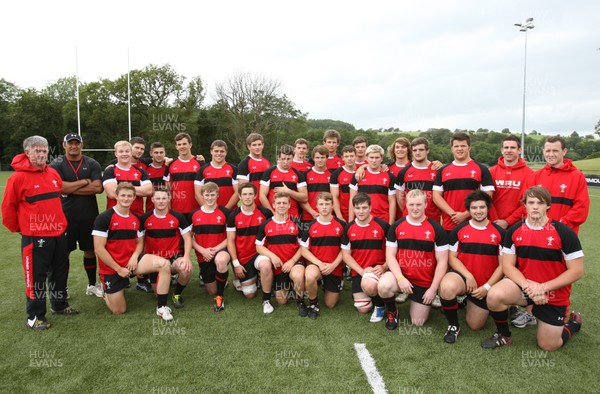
<point>399,279</point>
<point>235,263</point>
<point>487,286</point>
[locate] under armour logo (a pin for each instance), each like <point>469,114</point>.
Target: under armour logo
<point>36,186</point>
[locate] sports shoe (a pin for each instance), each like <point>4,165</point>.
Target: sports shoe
<point>68,293</point>
<point>267,307</point>
<point>513,312</point>
<point>377,314</point>
<point>401,298</point>
<point>95,290</point>
<point>302,309</point>
<point>237,284</point>
<point>219,304</point>
<point>200,281</point>
<point>451,334</point>
<point>313,311</point>
<point>68,311</point>
<point>145,287</point>
<point>174,278</point>
<point>524,319</point>
<point>437,303</point>
<point>177,301</point>
<point>575,317</point>
<point>391,323</point>
<point>165,313</point>
<point>37,324</point>
<point>495,341</point>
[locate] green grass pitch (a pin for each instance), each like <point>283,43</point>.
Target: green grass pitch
<point>242,350</point>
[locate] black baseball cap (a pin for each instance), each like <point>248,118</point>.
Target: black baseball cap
<point>72,136</point>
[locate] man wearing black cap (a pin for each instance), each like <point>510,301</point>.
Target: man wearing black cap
<point>82,180</point>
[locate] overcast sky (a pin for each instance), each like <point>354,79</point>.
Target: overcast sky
<point>412,65</point>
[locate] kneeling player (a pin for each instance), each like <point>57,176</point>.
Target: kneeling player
<point>320,246</point>
<point>474,265</point>
<point>277,244</point>
<point>118,243</point>
<point>417,255</point>
<point>242,227</point>
<point>168,234</point>
<point>363,250</point>
<point>541,259</point>
<point>210,243</point>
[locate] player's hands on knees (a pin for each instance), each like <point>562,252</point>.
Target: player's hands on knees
<point>240,272</point>
<point>471,284</point>
<point>479,293</point>
<point>123,272</point>
<point>429,296</point>
<point>185,265</point>
<point>405,286</point>
<point>326,269</point>
<point>287,267</point>
<point>276,262</point>
<point>378,270</point>
<point>132,263</point>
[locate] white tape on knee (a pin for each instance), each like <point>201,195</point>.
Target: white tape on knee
<point>364,304</point>
<point>372,276</point>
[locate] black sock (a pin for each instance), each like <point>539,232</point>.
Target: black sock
<point>299,298</point>
<point>221,281</point>
<point>570,329</point>
<point>179,288</point>
<point>266,296</point>
<point>377,301</point>
<point>314,301</point>
<point>89,264</point>
<point>390,304</point>
<point>161,299</point>
<point>501,320</point>
<point>450,308</point>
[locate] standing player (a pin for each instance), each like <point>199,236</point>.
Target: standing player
<point>400,155</point>
<point>360,144</point>
<point>210,243</point>
<point>566,184</point>
<point>300,151</point>
<point>339,183</point>
<point>156,170</point>
<point>321,247</point>
<point>378,184</point>
<point>119,245</point>
<point>541,259</point>
<point>221,173</point>
<point>418,175</point>
<point>417,256</point>
<point>277,244</point>
<point>456,180</point>
<point>123,171</point>
<point>32,207</point>
<point>180,175</point>
<point>363,245</point>
<point>252,167</point>
<point>331,139</point>
<point>474,265</point>
<point>242,227</point>
<point>82,180</point>
<point>167,234</point>
<point>317,182</point>
<point>283,178</point>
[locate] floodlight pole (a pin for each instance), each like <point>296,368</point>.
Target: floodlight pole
<point>527,25</point>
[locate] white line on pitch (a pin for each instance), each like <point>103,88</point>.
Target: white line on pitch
<point>368,365</point>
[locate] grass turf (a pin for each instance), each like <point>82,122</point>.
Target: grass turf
<point>241,349</point>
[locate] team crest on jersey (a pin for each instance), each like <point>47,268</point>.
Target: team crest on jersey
<point>337,231</point>
<point>55,183</point>
<point>294,178</point>
<point>493,238</point>
<point>260,219</point>
<point>375,232</point>
<point>41,242</point>
<point>195,167</point>
<point>292,228</point>
<point>427,234</point>
<point>219,219</point>
<point>473,172</point>
<point>550,239</point>
<point>227,172</point>
<point>171,223</point>
<point>432,175</point>
<point>135,176</point>
<point>107,285</point>
<point>563,187</point>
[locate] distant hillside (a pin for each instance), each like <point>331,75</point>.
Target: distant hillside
<point>591,166</point>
